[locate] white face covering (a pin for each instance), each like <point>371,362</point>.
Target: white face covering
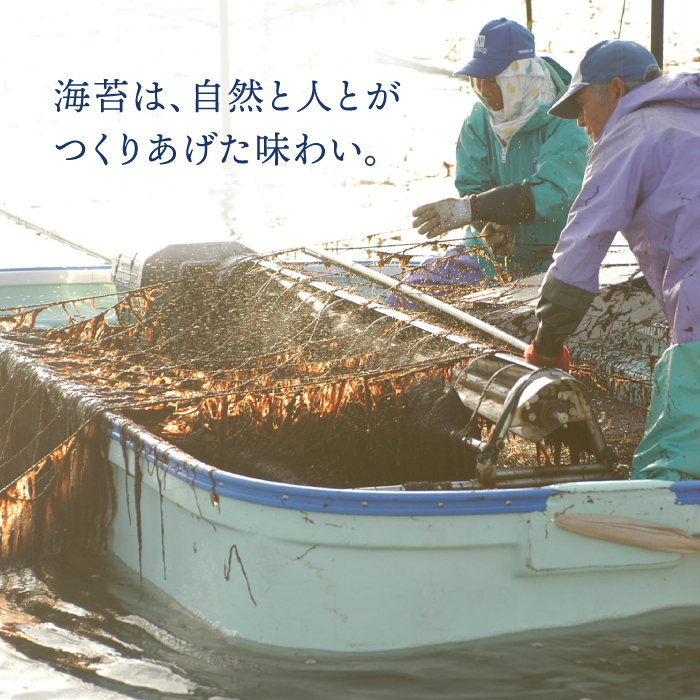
<point>526,85</point>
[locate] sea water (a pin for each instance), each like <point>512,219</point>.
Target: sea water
<point>86,627</point>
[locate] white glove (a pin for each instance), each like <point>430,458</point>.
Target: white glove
<point>499,238</point>
<point>439,217</point>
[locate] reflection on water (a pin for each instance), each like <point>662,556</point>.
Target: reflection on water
<point>85,627</point>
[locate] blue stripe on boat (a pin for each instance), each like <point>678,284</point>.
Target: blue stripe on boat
<point>687,492</point>
<point>326,500</point>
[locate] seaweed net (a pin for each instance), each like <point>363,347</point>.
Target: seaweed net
<point>252,367</point>
<point>248,369</point>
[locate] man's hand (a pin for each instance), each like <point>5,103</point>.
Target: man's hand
<point>562,362</point>
<point>499,238</point>
<point>439,217</point>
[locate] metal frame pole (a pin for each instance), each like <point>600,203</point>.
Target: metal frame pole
<point>56,237</point>
<point>528,11</point>
<point>223,38</point>
<point>657,31</point>
<point>425,299</point>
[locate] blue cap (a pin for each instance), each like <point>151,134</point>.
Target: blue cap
<point>500,42</point>
<point>609,59</point>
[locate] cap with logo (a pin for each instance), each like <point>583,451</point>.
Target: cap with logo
<point>499,43</point>
<point>606,60</point>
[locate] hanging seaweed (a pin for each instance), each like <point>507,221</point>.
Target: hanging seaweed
<point>252,368</point>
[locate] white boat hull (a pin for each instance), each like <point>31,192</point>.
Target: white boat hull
<point>368,570</point>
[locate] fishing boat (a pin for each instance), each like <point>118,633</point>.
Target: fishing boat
<point>424,526</point>
<point>60,269</point>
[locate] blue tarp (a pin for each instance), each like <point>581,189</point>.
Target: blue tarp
<point>441,274</point>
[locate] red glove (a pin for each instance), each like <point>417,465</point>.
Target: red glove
<point>562,362</point>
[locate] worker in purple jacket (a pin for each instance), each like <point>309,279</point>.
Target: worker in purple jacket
<point>643,179</point>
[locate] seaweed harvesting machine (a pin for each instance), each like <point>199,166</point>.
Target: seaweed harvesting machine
<point>499,396</point>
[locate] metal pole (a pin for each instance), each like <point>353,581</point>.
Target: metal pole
<point>56,237</point>
<point>528,10</point>
<point>425,299</point>
<point>657,31</point>
<point>223,37</point>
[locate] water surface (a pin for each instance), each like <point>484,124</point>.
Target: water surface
<point>85,627</point>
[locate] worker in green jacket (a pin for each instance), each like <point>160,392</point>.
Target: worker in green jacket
<point>518,168</point>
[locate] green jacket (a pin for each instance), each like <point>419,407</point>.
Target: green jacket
<point>548,153</point>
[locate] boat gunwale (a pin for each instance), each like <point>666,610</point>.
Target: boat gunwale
<point>216,482</point>
<point>57,276</point>
<point>162,454</point>
<point>53,268</point>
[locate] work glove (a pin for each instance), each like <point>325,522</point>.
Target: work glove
<point>562,362</point>
<point>499,238</point>
<point>443,216</point>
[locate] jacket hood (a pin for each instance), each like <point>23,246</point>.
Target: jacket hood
<point>683,89</point>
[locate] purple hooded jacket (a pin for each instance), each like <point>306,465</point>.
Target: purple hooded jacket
<point>643,179</point>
